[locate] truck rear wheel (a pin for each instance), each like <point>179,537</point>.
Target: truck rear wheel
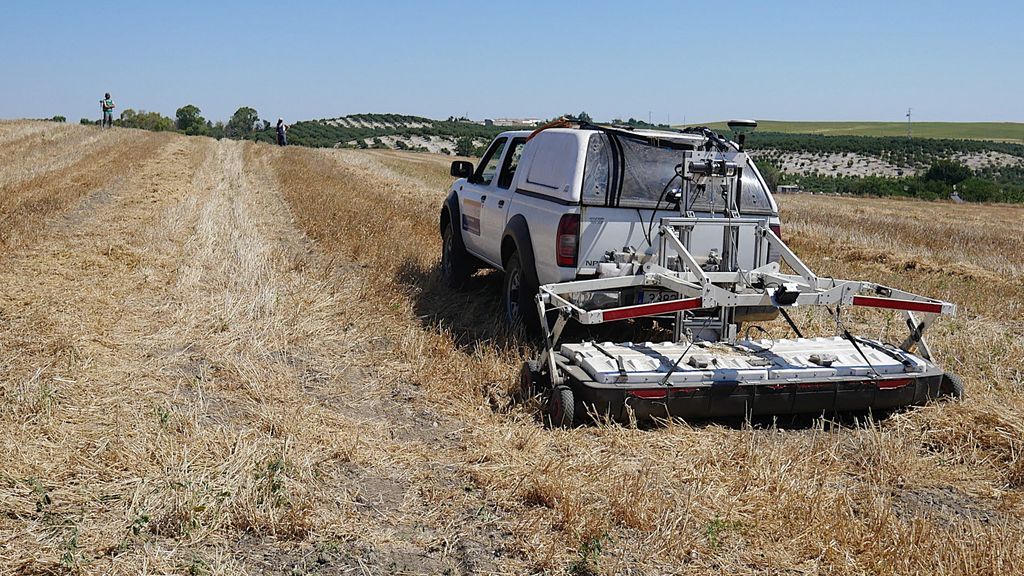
<point>531,381</point>
<point>456,265</point>
<point>518,296</point>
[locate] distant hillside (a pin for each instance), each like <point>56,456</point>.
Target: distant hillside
<point>999,131</point>
<point>454,136</point>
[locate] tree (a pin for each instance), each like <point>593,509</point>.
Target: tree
<point>189,120</point>
<point>145,120</point>
<point>771,174</point>
<point>464,146</point>
<point>242,123</point>
<point>584,117</point>
<point>215,129</point>
<point>58,119</point>
<point>978,190</point>
<point>948,171</point>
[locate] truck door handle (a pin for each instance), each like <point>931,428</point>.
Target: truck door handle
<point>501,203</point>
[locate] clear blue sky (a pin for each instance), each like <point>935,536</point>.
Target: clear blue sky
<point>851,60</point>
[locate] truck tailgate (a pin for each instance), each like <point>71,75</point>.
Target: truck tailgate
<point>612,229</point>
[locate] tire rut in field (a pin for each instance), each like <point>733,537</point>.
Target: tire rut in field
<point>255,424</point>
<point>26,205</point>
<point>53,147</point>
<point>380,215</point>
<point>73,401</point>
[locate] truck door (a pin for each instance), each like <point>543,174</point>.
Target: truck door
<point>475,193</point>
<point>494,210</point>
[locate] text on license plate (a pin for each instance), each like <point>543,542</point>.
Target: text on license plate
<point>650,296</point>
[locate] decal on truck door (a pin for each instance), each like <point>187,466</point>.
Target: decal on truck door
<point>471,217</point>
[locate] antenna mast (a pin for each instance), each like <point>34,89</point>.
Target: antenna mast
<point>908,123</point>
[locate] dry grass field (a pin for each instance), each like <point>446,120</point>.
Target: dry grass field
<point>231,358</point>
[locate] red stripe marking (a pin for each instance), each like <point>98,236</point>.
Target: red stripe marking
<point>655,394</point>
<point>894,383</point>
<point>650,309</point>
<point>897,304</point>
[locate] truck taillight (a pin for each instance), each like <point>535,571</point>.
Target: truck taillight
<point>776,229</point>
<point>567,240</point>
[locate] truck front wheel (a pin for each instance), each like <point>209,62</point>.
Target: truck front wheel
<point>455,261</point>
<point>518,296</point>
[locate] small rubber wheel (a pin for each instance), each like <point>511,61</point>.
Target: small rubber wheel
<point>530,379</point>
<point>952,386</point>
<point>561,407</point>
<point>456,266</point>
<point>517,297</point>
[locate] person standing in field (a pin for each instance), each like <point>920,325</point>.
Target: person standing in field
<point>108,111</point>
<point>282,132</point>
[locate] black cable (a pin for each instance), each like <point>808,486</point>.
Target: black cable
<point>647,235</point>
<point>790,322</point>
<point>657,206</point>
<point>672,370</point>
<point>853,339</point>
<point>713,138</point>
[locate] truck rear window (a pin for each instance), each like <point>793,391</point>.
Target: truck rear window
<point>647,169</point>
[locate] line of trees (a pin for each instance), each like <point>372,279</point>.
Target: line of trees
<point>898,150</point>
<point>330,133</point>
<point>938,174</point>
<point>940,181</point>
<point>245,123</point>
<point>988,184</point>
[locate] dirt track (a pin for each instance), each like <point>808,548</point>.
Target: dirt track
<point>222,357</point>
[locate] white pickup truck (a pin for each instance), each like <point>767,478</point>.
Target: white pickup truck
<point>560,203</point>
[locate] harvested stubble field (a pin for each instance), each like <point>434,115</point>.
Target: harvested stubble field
<point>230,358</point>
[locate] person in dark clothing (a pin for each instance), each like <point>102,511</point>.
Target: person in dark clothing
<point>108,111</point>
<point>282,132</point>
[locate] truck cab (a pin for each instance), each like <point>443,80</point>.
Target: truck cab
<point>565,203</point>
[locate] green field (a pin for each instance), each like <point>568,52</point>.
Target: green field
<point>1001,131</point>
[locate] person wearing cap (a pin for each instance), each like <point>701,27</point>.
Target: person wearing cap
<point>108,111</point>
<point>282,132</point>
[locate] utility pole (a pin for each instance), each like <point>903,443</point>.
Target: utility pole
<point>908,124</point>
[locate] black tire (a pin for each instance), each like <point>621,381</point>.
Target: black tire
<point>952,386</point>
<point>518,295</point>
<point>561,408</point>
<point>456,263</point>
<point>530,380</point>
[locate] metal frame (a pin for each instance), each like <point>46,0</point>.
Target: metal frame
<point>702,290</point>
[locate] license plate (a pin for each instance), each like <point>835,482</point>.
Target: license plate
<point>653,296</point>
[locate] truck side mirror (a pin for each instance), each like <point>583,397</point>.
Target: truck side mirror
<point>462,169</point>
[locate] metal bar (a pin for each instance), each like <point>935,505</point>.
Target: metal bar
<point>947,308</point>
<point>625,312</point>
<point>549,344</point>
<point>679,221</point>
<point>695,268</point>
<point>594,284</point>
<point>898,304</point>
<point>557,301</point>
<point>790,258</point>
<point>916,336</point>
<point>676,285</point>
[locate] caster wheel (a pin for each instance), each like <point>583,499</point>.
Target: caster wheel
<point>561,410</point>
